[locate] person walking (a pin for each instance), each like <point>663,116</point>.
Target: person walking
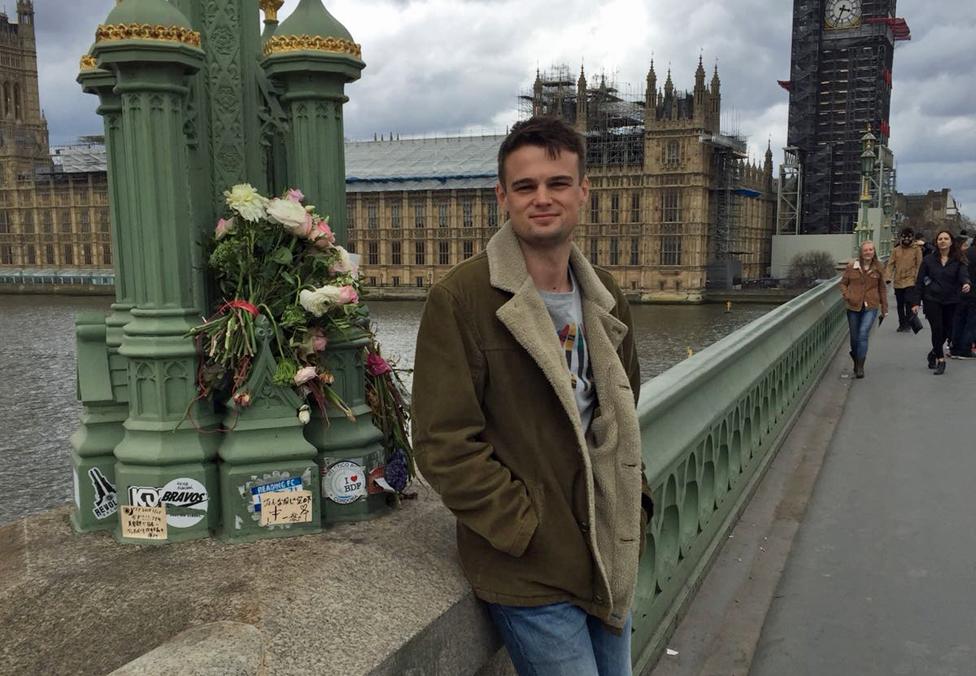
<point>863,288</point>
<point>901,271</point>
<point>524,419</point>
<point>964,322</point>
<point>941,277</point>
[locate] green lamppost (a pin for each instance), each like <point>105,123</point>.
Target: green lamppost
<point>864,230</point>
<point>162,461</point>
<point>102,371</point>
<point>311,57</point>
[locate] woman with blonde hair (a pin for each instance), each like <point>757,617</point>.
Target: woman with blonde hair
<point>864,291</point>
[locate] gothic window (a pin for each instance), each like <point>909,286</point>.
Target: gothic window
<point>420,252</point>
<point>395,216</point>
<point>65,220</point>
<point>17,107</point>
<point>594,251</point>
<point>27,218</point>
<point>672,154</point>
<point>442,219</point>
<point>107,254</point>
<point>350,215</point>
<point>31,254</point>
<point>467,212</point>
<point>492,214</point>
<point>419,215</point>
<point>48,222</point>
<point>634,251</point>
<point>443,253</point>
<point>614,207</point>
<point>6,255</point>
<point>85,220</point>
<point>351,246</point>
<point>635,207</point>
<point>67,255</point>
<point>103,220</point>
<point>6,99</point>
<point>87,254</point>
<point>372,215</point>
<point>4,223</point>
<point>670,244</point>
<point>671,206</point>
<point>614,251</point>
<point>594,207</point>
<point>468,248</point>
<point>396,252</point>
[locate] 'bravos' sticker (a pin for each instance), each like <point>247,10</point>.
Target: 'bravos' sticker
<point>106,498</point>
<point>344,482</point>
<point>185,499</point>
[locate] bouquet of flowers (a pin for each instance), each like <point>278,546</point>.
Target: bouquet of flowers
<point>277,258</point>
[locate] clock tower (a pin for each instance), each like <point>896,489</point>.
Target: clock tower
<point>840,84</point>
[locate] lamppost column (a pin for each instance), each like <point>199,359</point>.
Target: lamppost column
<point>162,461</point>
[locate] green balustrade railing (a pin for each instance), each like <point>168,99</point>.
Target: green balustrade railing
<point>709,427</point>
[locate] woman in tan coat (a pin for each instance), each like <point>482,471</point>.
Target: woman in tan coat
<point>863,289</point>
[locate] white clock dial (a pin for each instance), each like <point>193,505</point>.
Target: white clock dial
<point>842,14</point>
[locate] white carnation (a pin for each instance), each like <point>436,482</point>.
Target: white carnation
<point>246,201</point>
<point>318,301</point>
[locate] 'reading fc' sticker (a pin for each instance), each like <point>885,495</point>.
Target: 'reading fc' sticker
<point>344,482</point>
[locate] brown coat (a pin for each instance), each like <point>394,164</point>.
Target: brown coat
<point>547,512</point>
<point>864,288</point>
<point>903,265</point>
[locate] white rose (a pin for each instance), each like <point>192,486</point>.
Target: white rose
<point>346,263</point>
<point>290,214</point>
<point>318,301</point>
<point>246,201</point>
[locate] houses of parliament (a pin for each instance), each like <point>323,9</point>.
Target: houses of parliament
<point>53,208</point>
<point>675,207</point>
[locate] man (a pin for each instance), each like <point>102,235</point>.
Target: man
<point>901,269</point>
<point>525,385</point>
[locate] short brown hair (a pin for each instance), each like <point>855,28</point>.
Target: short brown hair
<point>543,131</point>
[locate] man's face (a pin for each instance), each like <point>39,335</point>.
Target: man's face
<point>543,196</point>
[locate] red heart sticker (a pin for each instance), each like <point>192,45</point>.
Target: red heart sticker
<point>354,477</point>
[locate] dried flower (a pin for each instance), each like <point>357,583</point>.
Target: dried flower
<point>242,399</point>
<point>376,365</point>
<point>295,195</point>
<point>246,201</point>
<point>304,414</point>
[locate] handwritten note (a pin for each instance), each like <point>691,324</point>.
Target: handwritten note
<point>143,523</point>
<point>282,507</point>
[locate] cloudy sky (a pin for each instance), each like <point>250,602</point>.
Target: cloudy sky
<point>457,66</point>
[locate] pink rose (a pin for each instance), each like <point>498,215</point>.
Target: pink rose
<point>322,236</point>
<point>305,374</point>
<point>308,228</point>
<point>225,226</point>
<point>295,195</point>
<point>319,341</point>
<point>376,365</point>
<point>347,294</point>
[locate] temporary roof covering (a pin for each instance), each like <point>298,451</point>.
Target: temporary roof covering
<point>79,158</point>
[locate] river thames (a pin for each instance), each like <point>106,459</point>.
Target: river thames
<point>39,412</point>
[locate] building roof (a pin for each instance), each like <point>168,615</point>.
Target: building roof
<point>422,164</point>
<point>79,158</point>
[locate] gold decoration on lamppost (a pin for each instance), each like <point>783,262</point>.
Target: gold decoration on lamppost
<point>280,44</point>
<point>143,31</point>
<point>270,9</point>
<point>88,63</point>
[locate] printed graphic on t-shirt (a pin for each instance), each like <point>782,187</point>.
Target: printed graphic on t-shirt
<point>574,346</point>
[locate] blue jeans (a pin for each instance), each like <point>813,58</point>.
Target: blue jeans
<point>860,324</point>
<point>964,328</point>
<point>561,640</point>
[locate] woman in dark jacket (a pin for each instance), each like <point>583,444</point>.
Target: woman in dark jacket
<point>941,278</point>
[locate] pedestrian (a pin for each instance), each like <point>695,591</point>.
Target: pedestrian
<point>863,287</point>
<point>901,271</point>
<point>524,419</point>
<point>964,322</point>
<point>941,277</point>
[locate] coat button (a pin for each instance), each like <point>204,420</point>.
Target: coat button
<point>598,598</point>
<point>584,526</point>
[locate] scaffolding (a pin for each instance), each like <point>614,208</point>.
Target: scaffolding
<point>728,153</point>
<point>610,116</point>
<point>789,200</point>
<point>840,84</point>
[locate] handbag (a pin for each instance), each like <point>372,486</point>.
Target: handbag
<point>915,323</point>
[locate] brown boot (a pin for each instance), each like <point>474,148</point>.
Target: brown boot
<point>858,368</point>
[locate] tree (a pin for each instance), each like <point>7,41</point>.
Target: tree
<point>806,268</point>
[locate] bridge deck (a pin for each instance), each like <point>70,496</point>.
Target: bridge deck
<point>882,575</point>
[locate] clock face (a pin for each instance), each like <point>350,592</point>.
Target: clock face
<point>842,14</point>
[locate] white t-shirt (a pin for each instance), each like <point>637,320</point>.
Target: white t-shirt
<point>566,311</point>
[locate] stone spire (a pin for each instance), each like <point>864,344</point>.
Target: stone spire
<point>537,94</point>
<point>651,94</point>
<point>581,101</point>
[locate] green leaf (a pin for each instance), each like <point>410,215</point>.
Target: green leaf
<point>281,255</point>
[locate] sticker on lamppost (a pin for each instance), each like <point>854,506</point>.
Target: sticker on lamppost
<point>344,482</point>
<point>185,500</point>
<point>282,507</point>
<point>105,497</point>
<point>143,523</point>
